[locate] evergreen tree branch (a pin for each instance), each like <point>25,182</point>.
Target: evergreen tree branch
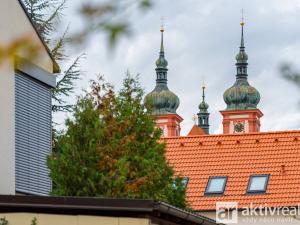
<point>57,51</point>
<point>44,14</point>
<point>47,25</point>
<point>65,86</point>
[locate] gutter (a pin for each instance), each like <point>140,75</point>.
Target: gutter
<point>183,214</point>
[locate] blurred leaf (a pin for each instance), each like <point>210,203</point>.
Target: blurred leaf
<point>34,221</point>
<point>145,4</point>
<point>3,221</point>
<point>90,10</point>
<point>114,18</point>
<point>290,73</point>
<point>115,31</point>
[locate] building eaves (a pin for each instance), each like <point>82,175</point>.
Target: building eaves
<point>56,68</point>
<point>101,207</point>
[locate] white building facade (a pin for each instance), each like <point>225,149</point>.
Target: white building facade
<point>25,99</point>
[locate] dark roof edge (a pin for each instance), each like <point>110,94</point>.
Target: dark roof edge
<point>56,68</point>
<point>97,206</point>
<point>164,207</point>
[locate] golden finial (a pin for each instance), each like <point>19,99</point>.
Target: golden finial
<point>203,83</point>
<point>162,29</point>
<point>195,119</point>
<point>242,19</point>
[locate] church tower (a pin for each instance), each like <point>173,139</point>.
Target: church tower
<point>161,101</point>
<point>241,114</point>
<point>203,115</point>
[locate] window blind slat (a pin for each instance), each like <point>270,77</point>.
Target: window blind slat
<point>33,135</point>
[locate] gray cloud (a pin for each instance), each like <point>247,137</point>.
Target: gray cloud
<point>201,40</point>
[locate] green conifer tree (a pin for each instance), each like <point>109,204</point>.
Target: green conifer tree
<point>111,148</point>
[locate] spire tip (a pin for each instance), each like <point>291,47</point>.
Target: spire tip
<point>203,92</point>
<point>242,23</point>
<point>203,83</point>
<point>162,28</point>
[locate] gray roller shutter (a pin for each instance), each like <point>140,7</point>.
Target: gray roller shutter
<point>33,135</point>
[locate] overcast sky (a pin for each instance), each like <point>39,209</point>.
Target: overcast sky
<point>201,40</point>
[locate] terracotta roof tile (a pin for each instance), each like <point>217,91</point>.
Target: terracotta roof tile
<point>238,156</point>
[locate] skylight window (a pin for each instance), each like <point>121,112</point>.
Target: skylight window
<point>216,185</point>
<point>258,184</point>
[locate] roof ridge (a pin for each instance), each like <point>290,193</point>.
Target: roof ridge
<point>240,135</point>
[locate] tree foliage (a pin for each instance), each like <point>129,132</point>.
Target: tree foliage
<point>46,15</point>
<point>111,148</point>
<point>34,221</point>
<point>110,17</point>
<point>3,221</point>
<point>290,74</point>
<point>113,18</point>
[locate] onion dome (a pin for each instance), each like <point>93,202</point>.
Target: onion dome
<point>241,96</point>
<point>203,105</point>
<point>161,100</point>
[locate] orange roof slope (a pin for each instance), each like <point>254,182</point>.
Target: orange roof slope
<point>238,156</point>
<point>196,131</point>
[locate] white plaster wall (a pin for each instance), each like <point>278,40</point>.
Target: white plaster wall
<point>53,219</point>
<point>7,129</point>
<point>13,25</point>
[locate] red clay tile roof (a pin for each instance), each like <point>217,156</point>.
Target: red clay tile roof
<point>196,131</point>
<point>238,156</point>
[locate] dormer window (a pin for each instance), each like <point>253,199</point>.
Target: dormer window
<point>216,185</point>
<point>258,184</point>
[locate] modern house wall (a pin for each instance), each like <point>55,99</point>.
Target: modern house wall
<point>14,25</point>
<point>51,219</point>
